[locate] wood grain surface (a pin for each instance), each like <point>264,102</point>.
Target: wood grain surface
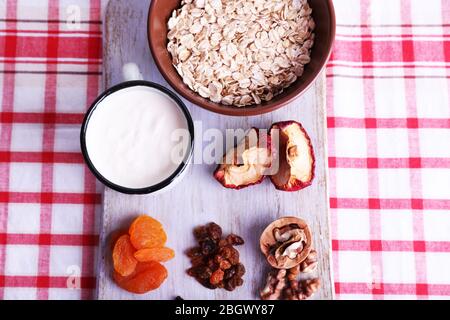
<point>199,199</point>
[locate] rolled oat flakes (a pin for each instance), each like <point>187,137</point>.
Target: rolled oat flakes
<point>240,52</point>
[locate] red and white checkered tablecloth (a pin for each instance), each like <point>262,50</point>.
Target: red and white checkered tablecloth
<point>389,148</point>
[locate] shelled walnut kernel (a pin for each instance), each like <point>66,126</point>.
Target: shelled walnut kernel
<point>283,285</point>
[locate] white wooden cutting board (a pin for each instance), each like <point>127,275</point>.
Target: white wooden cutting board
<point>199,199</point>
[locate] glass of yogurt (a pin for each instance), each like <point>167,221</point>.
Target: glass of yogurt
<point>138,138</point>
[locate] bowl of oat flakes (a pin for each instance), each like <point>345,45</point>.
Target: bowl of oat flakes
<point>241,57</point>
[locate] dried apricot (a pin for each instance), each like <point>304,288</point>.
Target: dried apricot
<point>146,232</point>
<point>154,254</point>
<point>123,256</point>
<point>146,277</point>
<point>115,235</point>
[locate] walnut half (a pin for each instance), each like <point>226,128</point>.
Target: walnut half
<point>287,243</point>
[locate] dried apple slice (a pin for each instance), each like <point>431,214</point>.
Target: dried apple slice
<point>296,154</point>
<point>247,163</point>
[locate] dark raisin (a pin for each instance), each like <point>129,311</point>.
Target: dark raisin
<point>225,265</point>
<point>207,284</point>
<point>208,246</point>
<point>194,252</point>
<point>240,269</point>
<point>230,285</point>
<point>218,258</point>
<point>230,273</point>
<point>197,261</point>
<point>238,281</point>
<point>178,298</point>
<point>226,252</point>
<point>192,272</point>
<point>200,233</point>
<point>234,282</point>
<point>234,256</point>
<point>214,231</point>
<point>203,272</point>
<point>216,277</point>
<point>234,240</point>
<point>199,272</point>
<point>223,243</point>
<point>212,264</point>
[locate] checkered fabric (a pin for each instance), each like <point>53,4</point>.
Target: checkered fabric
<point>389,147</point>
<point>50,73</point>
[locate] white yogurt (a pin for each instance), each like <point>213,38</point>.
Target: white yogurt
<point>131,137</point>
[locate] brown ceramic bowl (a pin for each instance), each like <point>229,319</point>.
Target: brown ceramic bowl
<point>324,16</point>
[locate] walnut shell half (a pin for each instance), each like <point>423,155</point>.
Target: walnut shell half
<point>270,246</point>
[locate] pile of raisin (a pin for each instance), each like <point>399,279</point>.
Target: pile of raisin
<point>215,262</point>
